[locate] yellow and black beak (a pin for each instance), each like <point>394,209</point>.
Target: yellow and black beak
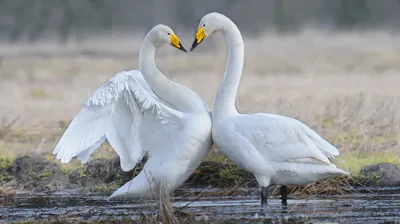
<point>200,36</point>
<point>176,42</point>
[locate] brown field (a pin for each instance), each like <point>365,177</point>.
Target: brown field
<point>344,85</point>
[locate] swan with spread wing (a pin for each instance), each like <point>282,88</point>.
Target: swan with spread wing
<point>141,112</point>
<point>276,149</point>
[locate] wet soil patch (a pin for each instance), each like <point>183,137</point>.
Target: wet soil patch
<point>40,173</point>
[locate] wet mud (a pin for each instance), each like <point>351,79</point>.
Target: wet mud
<point>368,205</point>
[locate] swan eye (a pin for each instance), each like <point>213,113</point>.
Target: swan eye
<point>204,25</point>
<point>168,33</point>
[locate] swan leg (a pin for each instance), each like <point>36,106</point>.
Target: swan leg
<point>284,192</point>
<point>264,196</point>
<point>265,192</point>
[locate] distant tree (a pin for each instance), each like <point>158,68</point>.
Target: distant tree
<point>280,16</point>
<point>39,24</point>
<point>185,13</point>
<point>68,20</point>
<point>106,15</point>
<point>351,13</point>
<point>19,17</point>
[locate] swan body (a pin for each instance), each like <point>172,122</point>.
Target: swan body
<point>141,112</point>
<point>276,149</point>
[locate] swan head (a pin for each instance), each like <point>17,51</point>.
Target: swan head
<point>162,34</point>
<point>209,24</point>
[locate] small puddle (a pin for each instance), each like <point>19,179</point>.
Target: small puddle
<point>363,207</point>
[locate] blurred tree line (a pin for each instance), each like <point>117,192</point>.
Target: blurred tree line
<point>35,19</point>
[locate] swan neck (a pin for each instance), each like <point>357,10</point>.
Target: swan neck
<point>147,63</point>
<point>224,104</point>
<point>178,96</point>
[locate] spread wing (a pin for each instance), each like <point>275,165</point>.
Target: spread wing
<point>127,113</point>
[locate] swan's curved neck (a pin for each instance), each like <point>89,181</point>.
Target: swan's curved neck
<point>224,104</point>
<point>178,96</point>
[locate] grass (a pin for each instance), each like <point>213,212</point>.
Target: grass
<point>354,161</point>
<point>343,86</point>
<point>42,172</point>
<point>41,94</point>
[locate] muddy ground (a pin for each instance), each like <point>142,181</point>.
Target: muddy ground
<point>40,174</point>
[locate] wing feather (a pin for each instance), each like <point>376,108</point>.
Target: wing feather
<point>283,139</point>
<point>327,148</point>
<point>116,112</point>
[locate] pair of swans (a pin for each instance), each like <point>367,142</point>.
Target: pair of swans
<point>143,111</point>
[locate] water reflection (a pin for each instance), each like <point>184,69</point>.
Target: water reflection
<point>376,207</point>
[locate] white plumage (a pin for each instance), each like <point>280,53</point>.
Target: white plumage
<point>276,149</point>
<point>134,120</point>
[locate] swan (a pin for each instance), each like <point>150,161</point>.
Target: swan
<point>143,111</point>
<point>277,150</point>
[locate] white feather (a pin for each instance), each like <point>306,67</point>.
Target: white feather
<point>134,120</point>
<point>276,149</point>
<point>113,112</point>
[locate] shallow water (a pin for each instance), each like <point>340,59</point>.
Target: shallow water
<point>382,206</point>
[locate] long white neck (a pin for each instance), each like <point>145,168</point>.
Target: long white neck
<point>178,96</point>
<point>224,104</point>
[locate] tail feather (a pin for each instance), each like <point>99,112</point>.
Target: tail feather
<point>131,189</point>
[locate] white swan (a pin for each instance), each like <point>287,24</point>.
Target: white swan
<point>276,149</point>
<point>174,128</point>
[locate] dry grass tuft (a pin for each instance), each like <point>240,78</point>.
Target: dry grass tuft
<point>334,186</point>
<point>6,191</point>
<point>166,213</point>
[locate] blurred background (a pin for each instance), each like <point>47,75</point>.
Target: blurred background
<point>72,19</point>
<point>333,64</point>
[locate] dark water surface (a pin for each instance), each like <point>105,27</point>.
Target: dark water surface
<point>382,206</point>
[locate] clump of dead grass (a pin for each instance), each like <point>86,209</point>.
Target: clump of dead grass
<point>220,175</point>
<point>341,185</point>
<point>334,186</point>
<point>166,213</point>
<point>6,191</point>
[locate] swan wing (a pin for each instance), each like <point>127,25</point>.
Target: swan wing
<point>284,139</point>
<point>127,113</point>
<point>326,147</point>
